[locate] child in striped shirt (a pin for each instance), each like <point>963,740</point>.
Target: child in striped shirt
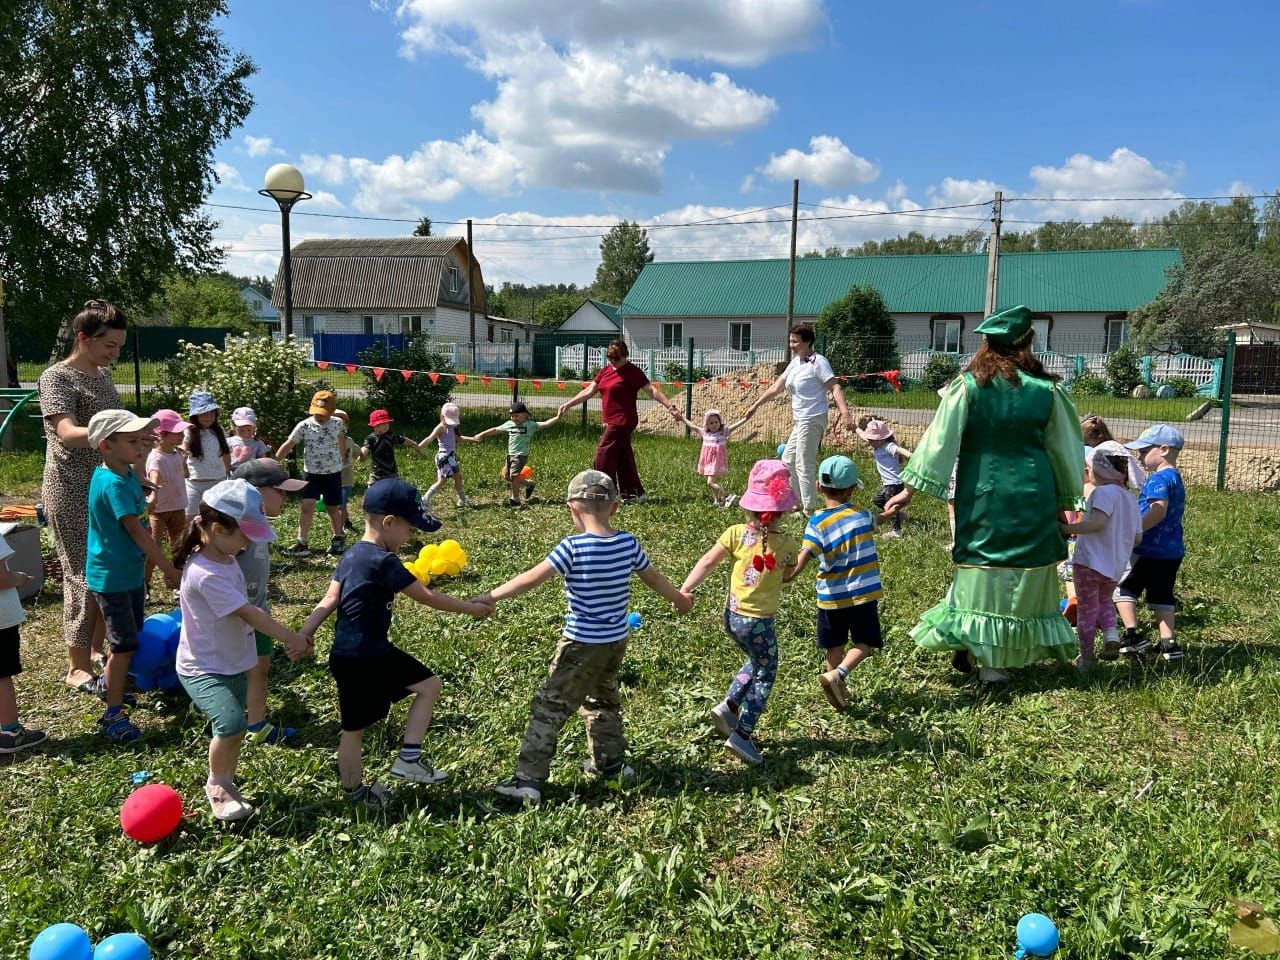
<point>596,562</point>
<point>841,537</point>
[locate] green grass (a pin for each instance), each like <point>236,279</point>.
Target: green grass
<point>922,822</point>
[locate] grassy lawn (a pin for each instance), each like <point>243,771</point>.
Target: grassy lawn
<point>1128,804</point>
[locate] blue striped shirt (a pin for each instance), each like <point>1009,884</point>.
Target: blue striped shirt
<point>597,582</point>
<point>849,570</point>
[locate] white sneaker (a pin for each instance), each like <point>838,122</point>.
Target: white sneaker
<point>624,772</point>
<point>226,807</point>
<point>417,771</point>
<point>465,501</point>
<point>893,535</point>
<point>728,500</point>
<point>724,718</point>
<point>526,791</point>
<point>992,675</point>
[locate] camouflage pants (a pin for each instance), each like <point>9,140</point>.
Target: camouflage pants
<point>583,677</point>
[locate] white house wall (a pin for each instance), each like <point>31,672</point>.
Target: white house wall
<point>587,319</point>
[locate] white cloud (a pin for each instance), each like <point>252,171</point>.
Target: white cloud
<point>1082,178</point>
<point>325,201</point>
<point>748,183</point>
<point>829,164</point>
<point>329,169</point>
<point>261,146</point>
<point>229,178</point>
<point>587,94</point>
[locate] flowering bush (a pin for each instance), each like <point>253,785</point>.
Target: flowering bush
<point>417,401</point>
<point>248,372</point>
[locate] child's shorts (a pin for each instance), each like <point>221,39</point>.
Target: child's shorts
<point>368,686</point>
<point>221,698</point>
<point>446,465</point>
<point>859,625</point>
<point>265,645</point>
<point>1153,575</point>
<point>515,464</point>
<point>10,662</point>
<point>123,613</point>
<point>324,486</point>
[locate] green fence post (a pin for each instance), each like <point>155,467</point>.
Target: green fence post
<point>137,370</point>
<point>1225,429</point>
<point>688,388</point>
<point>1146,370</point>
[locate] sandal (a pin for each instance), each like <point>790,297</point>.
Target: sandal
<point>100,691</point>
<point>119,728</point>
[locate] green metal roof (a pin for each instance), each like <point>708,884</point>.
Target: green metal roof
<point>1057,282</point>
<point>608,309</point>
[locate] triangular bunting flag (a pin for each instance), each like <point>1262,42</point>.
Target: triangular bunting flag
<point>378,372</point>
<point>677,384</point>
<point>559,384</point>
<point>460,377</point>
<point>351,368</point>
<point>435,377</point>
<point>322,364</point>
<point>406,374</point>
<point>511,384</point>
<point>486,380</point>
<point>537,384</point>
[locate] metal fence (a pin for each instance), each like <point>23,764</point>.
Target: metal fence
<point>1234,445</point>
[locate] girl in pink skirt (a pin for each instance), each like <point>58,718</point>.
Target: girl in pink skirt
<point>713,460</point>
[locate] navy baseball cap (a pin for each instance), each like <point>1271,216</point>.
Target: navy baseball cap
<point>395,498</point>
<point>1161,435</point>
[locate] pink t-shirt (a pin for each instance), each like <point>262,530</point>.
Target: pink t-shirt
<point>213,640</point>
<point>1108,550</point>
<point>172,492</point>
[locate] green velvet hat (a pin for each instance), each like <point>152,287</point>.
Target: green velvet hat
<point>1008,326</point>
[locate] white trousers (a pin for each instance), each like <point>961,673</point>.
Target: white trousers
<point>801,458</point>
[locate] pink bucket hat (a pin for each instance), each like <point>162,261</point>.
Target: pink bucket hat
<point>875,430</point>
<point>769,488</point>
<point>713,412</point>
<point>170,421</point>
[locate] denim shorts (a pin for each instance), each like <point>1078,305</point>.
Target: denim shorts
<point>221,698</point>
<point>123,614</point>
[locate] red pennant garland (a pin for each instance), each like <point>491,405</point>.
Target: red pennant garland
<point>559,384</point>
<point>537,384</point>
<point>677,384</point>
<point>511,383</point>
<point>322,364</point>
<point>486,380</point>
<point>895,378</point>
<point>460,377</point>
<point>351,368</point>
<point>378,372</point>
<point>406,374</point>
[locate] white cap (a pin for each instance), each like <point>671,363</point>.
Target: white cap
<point>242,415</point>
<point>450,414</point>
<point>241,500</point>
<point>107,423</point>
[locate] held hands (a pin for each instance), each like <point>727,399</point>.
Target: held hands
<point>897,502</point>
<point>482,605</point>
<point>172,578</point>
<point>685,604</point>
<point>560,410</point>
<point>298,646</point>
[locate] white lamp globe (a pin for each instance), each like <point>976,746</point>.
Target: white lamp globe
<point>284,183</point>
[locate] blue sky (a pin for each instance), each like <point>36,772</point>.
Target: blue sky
<point>533,115</point>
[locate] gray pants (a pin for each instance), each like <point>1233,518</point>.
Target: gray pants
<point>583,677</point>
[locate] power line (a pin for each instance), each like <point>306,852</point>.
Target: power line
<point>1246,196</point>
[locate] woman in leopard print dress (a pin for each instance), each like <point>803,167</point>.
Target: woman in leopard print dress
<point>71,392</point>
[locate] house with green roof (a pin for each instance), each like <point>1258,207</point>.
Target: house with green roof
<point>1081,299</point>
<point>593,316</point>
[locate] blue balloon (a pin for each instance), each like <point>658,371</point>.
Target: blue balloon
<point>634,620</point>
<point>122,946</point>
<point>782,448</point>
<point>153,643</point>
<point>62,941</point>
<point>1037,935</point>
<point>176,613</point>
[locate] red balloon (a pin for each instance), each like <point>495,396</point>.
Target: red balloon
<point>151,813</point>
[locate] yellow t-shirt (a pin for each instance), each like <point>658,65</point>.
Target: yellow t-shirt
<point>752,592</point>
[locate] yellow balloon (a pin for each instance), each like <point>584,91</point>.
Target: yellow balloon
<point>427,553</point>
<point>452,568</point>
<point>439,567</point>
<point>462,557</point>
<point>447,546</point>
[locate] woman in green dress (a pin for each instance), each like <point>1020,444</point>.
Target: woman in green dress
<point>1013,437</point>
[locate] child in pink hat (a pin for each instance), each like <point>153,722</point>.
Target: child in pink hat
<point>446,437</point>
<point>889,457</point>
<point>167,470</point>
<point>713,460</point>
<point>762,554</point>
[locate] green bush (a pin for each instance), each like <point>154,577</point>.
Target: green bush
<point>417,401</point>
<point>941,369</point>
<point>1089,385</point>
<point>1183,386</point>
<point>247,372</point>
<point>569,373</point>
<point>1124,371</point>
<point>857,335</point>
<point>678,371</point>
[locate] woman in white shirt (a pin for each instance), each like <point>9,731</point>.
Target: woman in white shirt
<point>808,378</point>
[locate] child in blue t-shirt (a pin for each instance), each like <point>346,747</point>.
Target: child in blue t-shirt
<point>596,562</point>
<point>1154,566</point>
<point>119,547</point>
<point>371,672</point>
<point>842,538</point>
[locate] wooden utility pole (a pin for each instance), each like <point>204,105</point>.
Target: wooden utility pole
<point>791,270</point>
<point>7,439</point>
<point>993,257</point>
<point>471,300</point>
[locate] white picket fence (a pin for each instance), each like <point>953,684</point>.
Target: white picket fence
<point>719,362</point>
<point>1204,372</point>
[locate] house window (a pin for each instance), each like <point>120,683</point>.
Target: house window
<point>672,336</point>
<point>504,335</point>
<point>740,336</point>
<point>410,324</point>
<point>455,280</point>
<point>366,325</point>
<point>1041,326</point>
<point>312,325</point>
<point>491,333</point>
<point>1117,331</point>
<point>946,334</point>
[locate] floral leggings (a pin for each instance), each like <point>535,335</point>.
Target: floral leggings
<point>751,687</point>
<point>1094,609</point>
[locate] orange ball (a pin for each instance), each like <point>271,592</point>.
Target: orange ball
<point>151,813</point>
<point>526,473</point>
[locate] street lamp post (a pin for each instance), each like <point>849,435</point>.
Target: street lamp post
<point>283,184</point>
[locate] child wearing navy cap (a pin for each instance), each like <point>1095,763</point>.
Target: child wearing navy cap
<point>371,672</point>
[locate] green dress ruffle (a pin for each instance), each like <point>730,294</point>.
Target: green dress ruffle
<point>1018,459</point>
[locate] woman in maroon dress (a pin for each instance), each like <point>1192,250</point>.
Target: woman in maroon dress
<point>618,383</point>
